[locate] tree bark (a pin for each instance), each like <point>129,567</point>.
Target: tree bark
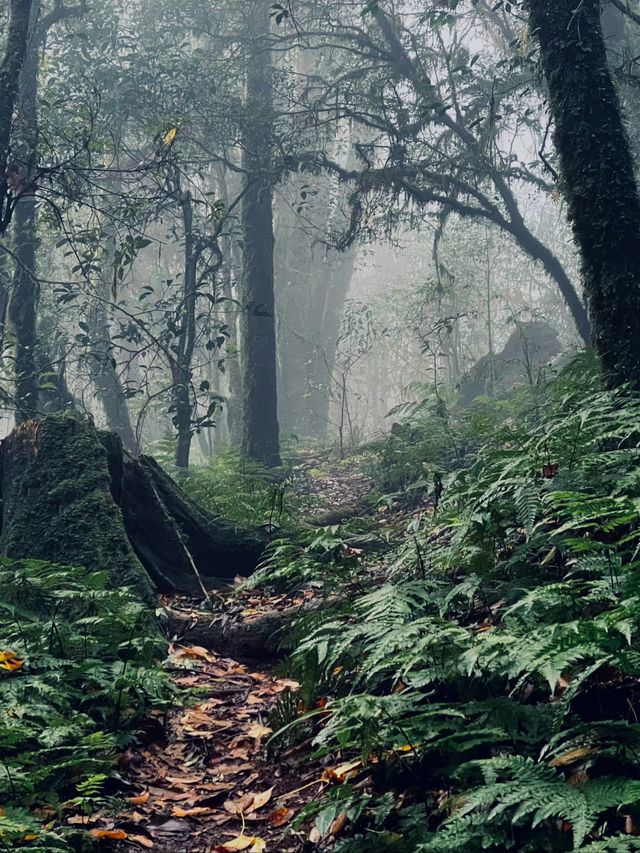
<point>598,176</point>
<point>23,301</point>
<point>102,366</point>
<point>181,367</point>
<point>57,501</point>
<point>260,439</point>
<point>71,496</point>
<point>15,53</point>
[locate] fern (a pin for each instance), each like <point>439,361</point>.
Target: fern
<point>503,667</point>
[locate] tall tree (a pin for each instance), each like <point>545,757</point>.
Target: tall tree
<point>10,70</point>
<point>598,176</point>
<point>260,440</point>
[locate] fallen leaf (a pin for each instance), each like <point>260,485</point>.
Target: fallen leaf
<point>10,661</point>
<point>260,800</point>
<point>170,135</point>
<point>108,834</point>
<point>243,842</point>
<point>196,652</point>
<point>194,812</point>
<point>280,816</point>
<point>240,806</point>
<point>338,824</point>
<point>140,799</point>
<point>572,756</point>
<point>342,772</point>
<point>142,840</point>
<point>257,731</point>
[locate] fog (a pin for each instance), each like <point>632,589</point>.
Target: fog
<point>259,225</point>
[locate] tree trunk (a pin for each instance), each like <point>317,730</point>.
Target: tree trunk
<point>598,176</point>
<point>22,310</point>
<point>260,439</point>
<point>57,501</point>
<point>102,366</point>
<point>23,301</point>
<point>70,495</point>
<point>15,53</point>
<point>182,367</point>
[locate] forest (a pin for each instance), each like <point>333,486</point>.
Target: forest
<point>320,426</point>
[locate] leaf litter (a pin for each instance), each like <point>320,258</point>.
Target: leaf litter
<point>206,784</point>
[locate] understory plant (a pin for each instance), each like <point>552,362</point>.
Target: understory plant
<point>79,670</point>
<point>490,680</point>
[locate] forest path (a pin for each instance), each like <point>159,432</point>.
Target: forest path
<point>329,487</point>
<point>206,780</point>
<point>211,784</point>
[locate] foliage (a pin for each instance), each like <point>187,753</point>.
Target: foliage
<point>494,679</point>
<point>241,491</point>
<point>78,672</point>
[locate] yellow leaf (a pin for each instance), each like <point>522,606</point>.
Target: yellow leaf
<point>572,756</point>
<point>243,842</point>
<point>10,661</point>
<point>142,840</point>
<point>170,136</point>
<point>30,837</point>
<point>258,731</point>
<point>342,772</point>
<point>195,812</point>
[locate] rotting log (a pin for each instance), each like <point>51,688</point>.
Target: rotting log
<point>253,638</point>
<point>70,495</point>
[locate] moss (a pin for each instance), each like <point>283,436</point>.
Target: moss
<point>57,501</point>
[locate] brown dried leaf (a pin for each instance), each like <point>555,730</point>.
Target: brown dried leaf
<point>140,799</point>
<point>194,812</point>
<point>242,842</point>
<point>108,834</point>
<point>280,816</point>
<point>142,840</point>
<point>338,824</point>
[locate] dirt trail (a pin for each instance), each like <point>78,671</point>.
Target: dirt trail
<point>210,780</point>
<point>206,781</point>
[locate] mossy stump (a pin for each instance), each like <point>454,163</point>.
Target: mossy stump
<point>70,495</point>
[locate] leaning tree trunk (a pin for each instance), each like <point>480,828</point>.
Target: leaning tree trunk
<point>598,176</point>
<point>71,495</point>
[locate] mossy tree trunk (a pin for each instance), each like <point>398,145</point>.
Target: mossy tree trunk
<point>70,495</point>
<point>598,176</point>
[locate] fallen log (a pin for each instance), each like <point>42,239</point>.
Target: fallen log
<point>254,638</point>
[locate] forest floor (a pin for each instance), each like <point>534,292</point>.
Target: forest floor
<point>206,780</point>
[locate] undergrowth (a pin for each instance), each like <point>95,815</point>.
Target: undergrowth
<point>242,492</point>
<point>489,677</point>
<point>78,672</point>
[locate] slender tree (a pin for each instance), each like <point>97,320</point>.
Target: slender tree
<point>260,440</point>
